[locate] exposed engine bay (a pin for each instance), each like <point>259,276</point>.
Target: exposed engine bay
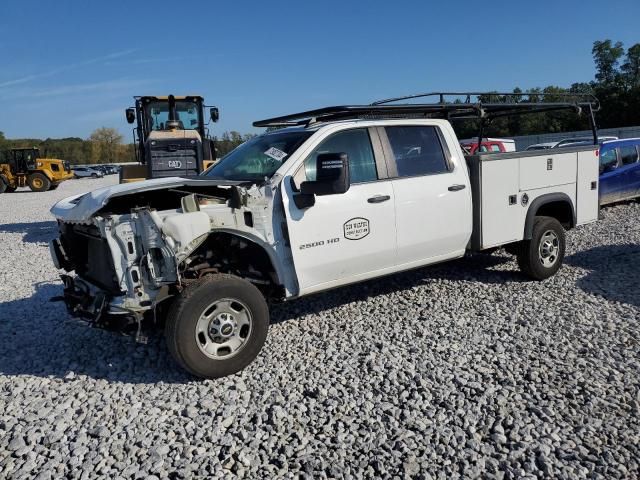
<point>131,248</point>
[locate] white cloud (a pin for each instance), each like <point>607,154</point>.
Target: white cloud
<point>55,71</point>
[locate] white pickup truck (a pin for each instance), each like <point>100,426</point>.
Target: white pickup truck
<point>342,195</point>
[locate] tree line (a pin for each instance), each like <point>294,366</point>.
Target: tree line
<point>616,84</point>
<point>104,145</point>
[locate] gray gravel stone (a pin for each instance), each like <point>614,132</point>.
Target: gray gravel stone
<point>464,369</point>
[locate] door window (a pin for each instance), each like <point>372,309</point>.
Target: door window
<point>628,155</point>
<point>417,150</point>
<point>495,147</point>
<point>608,161</point>
<point>357,145</point>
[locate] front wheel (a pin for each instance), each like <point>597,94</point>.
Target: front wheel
<point>38,182</point>
<point>94,175</point>
<point>542,256</point>
<point>217,326</point>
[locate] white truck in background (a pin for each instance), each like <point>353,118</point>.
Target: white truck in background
<point>338,196</point>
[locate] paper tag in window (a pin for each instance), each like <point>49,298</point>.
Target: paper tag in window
<point>275,153</point>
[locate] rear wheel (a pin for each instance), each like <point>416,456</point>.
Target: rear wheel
<point>542,256</point>
<point>3,186</point>
<point>38,182</point>
<point>217,326</point>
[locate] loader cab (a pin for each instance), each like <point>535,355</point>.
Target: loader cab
<point>171,137</point>
<point>22,160</point>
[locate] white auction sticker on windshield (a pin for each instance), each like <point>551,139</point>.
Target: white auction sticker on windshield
<point>275,153</point>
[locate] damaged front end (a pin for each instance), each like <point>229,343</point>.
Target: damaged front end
<point>125,247</point>
<point>133,247</point>
<point>124,266</point>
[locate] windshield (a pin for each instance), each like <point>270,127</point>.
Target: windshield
<point>186,113</point>
<point>259,157</point>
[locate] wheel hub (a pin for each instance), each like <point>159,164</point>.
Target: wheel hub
<point>223,328</point>
<point>549,248</point>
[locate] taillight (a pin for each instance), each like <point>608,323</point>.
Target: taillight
<point>597,152</point>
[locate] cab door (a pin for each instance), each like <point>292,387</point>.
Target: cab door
<point>432,195</point>
<point>344,237</point>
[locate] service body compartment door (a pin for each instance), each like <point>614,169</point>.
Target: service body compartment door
<point>547,170</point>
<point>501,202</point>
<point>587,187</point>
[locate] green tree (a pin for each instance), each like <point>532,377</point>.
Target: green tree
<point>631,67</point>
<point>607,57</point>
<point>105,142</point>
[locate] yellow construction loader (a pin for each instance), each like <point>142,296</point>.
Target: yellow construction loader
<point>170,136</point>
<point>23,167</point>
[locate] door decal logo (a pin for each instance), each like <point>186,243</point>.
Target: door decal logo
<point>174,164</point>
<point>356,228</point>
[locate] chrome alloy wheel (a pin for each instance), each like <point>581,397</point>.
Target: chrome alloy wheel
<point>549,248</point>
<point>223,328</point>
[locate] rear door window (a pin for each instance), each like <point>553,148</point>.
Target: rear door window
<point>628,155</point>
<point>417,150</point>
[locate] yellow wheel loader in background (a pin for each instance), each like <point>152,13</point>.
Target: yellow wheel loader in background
<point>23,167</point>
<point>170,137</point>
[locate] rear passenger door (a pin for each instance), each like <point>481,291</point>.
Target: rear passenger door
<point>432,196</point>
<point>630,170</point>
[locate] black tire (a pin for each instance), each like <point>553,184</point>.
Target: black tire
<point>38,182</point>
<point>3,186</point>
<point>542,256</point>
<point>94,175</point>
<point>185,344</point>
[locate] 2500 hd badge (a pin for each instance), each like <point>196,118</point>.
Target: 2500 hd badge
<point>319,243</point>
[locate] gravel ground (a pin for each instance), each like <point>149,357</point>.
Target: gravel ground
<point>462,370</point>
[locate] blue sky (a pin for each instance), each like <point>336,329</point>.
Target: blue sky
<point>68,67</point>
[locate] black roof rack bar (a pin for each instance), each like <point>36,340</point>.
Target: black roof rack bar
<point>507,97</point>
<point>483,104</point>
<point>444,110</point>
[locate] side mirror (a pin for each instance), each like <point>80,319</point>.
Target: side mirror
<point>332,175</point>
<point>215,114</point>
<point>131,115</point>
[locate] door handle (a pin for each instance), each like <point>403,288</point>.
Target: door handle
<point>379,199</point>
<point>455,188</point>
